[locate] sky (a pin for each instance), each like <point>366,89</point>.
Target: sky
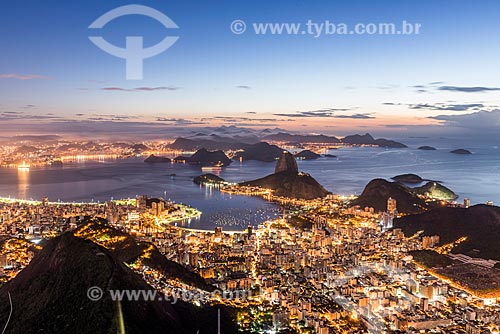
<point>444,80</point>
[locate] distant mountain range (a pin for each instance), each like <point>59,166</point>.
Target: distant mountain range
<point>260,151</point>
<point>185,144</point>
<point>217,142</point>
<point>367,139</point>
<point>297,138</point>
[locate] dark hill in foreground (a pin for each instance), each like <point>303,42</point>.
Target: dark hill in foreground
<point>127,249</point>
<point>377,192</point>
<point>479,223</point>
<point>50,296</point>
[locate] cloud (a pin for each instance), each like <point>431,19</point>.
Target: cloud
<point>149,89</point>
<point>447,107</point>
<point>243,87</point>
<point>37,138</point>
<point>290,115</point>
<point>443,106</point>
<point>484,120</point>
<point>22,77</point>
<point>467,89</point>
<point>139,89</point>
<point>178,121</point>
<point>238,119</point>
<point>397,126</point>
<point>243,121</point>
<point>257,124</point>
<point>16,116</point>
<point>388,87</point>
<point>438,85</point>
<point>328,112</point>
<point>126,130</point>
<point>112,117</point>
<point>356,116</point>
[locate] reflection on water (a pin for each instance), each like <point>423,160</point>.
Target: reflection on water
<point>101,181</point>
<point>23,182</point>
<point>230,219</point>
<point>212,170</point>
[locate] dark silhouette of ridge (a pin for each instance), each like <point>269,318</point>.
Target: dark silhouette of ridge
<point>377,192</point>
<point>50,294</point>
<point>479,223</point>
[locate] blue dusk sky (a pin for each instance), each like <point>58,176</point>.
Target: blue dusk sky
<point>443,80</point>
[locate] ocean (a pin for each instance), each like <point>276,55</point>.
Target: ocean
<point>475,176</point>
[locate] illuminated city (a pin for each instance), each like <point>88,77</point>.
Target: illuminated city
<point>279,167</point>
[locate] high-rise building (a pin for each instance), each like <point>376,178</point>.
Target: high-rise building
<point>160,208</point>
<point>140,201</point>
<point>392,207</point>
<point>430,241</point>
<point>386,220</point>
<point>249,230</point>
<point>466,203</point>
